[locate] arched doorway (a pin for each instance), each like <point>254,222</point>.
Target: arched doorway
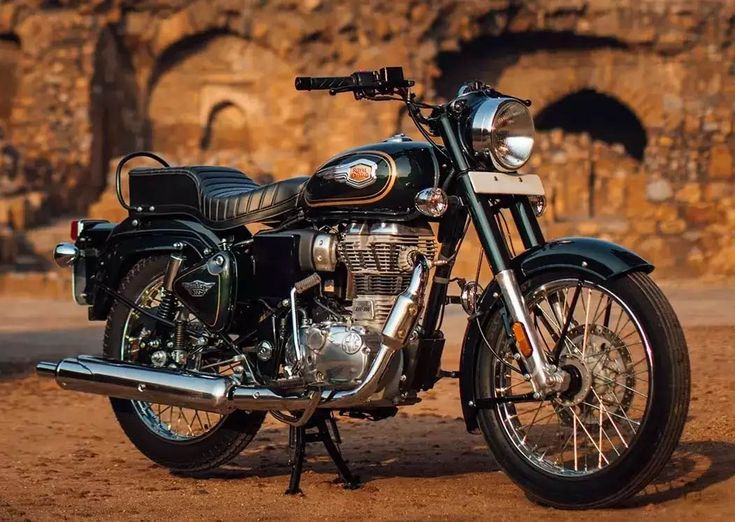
<point>601,116</point>
<point>114,112</point>
<point>487,58</point>
<point>591,139</point>
<point>227,128</point>
<point>218,98</point>
<point>592,143</point>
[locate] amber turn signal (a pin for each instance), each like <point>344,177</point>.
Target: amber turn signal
<point>524,345</point>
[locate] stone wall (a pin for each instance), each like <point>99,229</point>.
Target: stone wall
<point>211,81</point>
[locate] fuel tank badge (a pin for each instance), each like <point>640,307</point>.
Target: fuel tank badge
<point>359,173</point>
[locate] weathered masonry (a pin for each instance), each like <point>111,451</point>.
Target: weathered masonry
<point>633,100</point>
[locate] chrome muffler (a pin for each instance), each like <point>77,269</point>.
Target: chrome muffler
<point>222,394</point>
<point>124,380</point>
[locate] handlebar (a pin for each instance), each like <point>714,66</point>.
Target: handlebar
<point>363,83</point>
<point>310,83</point>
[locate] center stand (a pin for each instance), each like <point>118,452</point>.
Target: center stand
<point>325,432</point>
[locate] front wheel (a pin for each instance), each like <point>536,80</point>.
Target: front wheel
<point>612,431</point>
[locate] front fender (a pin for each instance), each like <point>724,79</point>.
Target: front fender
<point>591,256</point>
<point>597,259</point>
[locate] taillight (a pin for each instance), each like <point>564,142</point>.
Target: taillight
<point>74,230</point>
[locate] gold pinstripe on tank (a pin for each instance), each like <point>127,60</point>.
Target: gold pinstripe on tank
<point>365,200</point>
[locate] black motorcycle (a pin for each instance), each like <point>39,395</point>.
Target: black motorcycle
<point>574,365</point>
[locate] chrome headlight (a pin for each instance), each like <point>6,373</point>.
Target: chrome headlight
<point>501,130</point>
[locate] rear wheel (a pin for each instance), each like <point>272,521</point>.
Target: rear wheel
<point>181,439</point>
<point>612,431</point>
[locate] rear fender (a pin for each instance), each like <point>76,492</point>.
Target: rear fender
<point>586,257</point>
<point>127,244</point>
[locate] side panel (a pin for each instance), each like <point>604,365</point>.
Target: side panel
<point>587,257</point>
<point>128,244</point>
<point>209,290</point>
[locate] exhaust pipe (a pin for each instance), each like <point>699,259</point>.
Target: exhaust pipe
<point>221,394</point>
<point>140,383</point>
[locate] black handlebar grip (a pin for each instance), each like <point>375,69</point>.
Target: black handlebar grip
<point>309,83</point>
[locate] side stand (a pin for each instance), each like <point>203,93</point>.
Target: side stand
<point>299,437</point>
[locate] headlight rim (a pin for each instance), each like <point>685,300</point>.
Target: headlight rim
<point>483,133</point>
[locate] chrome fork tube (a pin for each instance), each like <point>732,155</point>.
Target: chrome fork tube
<point>542,378</point>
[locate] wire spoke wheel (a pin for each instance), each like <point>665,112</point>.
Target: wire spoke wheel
<point>172,423</point>
<point>613,429</point>
<point>593,423</point>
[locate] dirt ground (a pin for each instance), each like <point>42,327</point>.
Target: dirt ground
<point>63,457</point>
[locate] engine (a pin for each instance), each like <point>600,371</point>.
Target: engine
<point>378,258</point>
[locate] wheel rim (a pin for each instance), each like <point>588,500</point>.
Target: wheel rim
<point>173,423</point>
<point>606,351</point>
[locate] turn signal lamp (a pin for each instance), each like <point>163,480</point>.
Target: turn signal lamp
<point>524,345</point>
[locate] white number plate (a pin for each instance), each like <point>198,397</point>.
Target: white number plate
<point>500,183</point>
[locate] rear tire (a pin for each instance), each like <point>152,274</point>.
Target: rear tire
<point>210,450</point>
<point>650,447</point>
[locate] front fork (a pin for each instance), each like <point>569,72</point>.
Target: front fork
<point>544,377</point>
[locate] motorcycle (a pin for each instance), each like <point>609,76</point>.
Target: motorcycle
<point>574,366</point>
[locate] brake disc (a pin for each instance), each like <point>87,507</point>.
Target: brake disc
<point>601,370</point>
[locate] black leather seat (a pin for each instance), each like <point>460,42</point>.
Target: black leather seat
<point>221,197</point>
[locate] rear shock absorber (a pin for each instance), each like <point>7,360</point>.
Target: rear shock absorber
<point>167,308</point>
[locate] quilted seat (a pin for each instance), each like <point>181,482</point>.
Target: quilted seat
<point>222,197</point>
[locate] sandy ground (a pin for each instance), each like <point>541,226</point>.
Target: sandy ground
<point>62,455</point>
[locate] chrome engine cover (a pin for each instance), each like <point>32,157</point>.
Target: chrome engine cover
<point>338,354</point>
<point>377,256</point>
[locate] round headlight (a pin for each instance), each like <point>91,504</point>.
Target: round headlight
<point>502,131</point>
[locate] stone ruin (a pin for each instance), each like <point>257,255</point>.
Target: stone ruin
<point>632,99</point>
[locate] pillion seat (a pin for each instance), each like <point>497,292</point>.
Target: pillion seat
<point>221,197</point>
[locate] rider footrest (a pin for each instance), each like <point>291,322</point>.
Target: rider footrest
<point>325,432</point>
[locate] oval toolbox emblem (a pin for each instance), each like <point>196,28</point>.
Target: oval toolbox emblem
<point>197,288</point>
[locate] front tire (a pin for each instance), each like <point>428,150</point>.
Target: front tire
<point>219,441</point>
<point>624,423</point>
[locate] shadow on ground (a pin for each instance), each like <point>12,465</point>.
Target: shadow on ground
<point>20,351</point>
<point>693,467</point>
<point>432,447</point>
<point>405,446</point>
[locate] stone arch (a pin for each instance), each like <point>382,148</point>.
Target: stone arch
<point>545,66</point>
<point>185,45</point>
<point>487,57</point>
<point>589,181</point>
<point>117,127</point>
<point>602,117</point>
<point>10,56</point>
<point>639,81</point>
<point>209,76</point>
